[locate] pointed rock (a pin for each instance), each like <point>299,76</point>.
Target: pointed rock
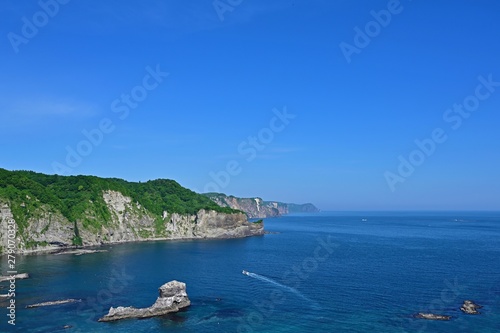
<point>173,297</point>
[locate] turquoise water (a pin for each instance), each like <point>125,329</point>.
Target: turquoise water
<point>319,273</point>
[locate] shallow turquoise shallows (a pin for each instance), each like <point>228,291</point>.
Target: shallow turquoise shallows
<point>330,272</point>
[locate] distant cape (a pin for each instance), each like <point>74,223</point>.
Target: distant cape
<point>258,208</point>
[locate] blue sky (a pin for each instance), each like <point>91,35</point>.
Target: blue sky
<point>262,98</point>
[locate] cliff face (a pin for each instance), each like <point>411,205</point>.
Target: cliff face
<point>258,208</point>
<point>46,229</point>
<point>302,208</point>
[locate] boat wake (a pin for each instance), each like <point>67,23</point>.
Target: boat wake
<point>312,303</point>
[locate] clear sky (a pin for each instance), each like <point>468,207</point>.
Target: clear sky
<point>297,101</point>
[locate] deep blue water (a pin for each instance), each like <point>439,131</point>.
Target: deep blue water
<point>337,273</point>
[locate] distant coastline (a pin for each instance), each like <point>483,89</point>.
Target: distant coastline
<point>258,208</point>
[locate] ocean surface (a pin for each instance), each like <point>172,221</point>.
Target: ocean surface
<point>327,272</point>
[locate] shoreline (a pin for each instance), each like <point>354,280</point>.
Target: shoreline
<point>62,249</point>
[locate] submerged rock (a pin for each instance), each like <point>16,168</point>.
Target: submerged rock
<point>16,276</point>
<point>173,297</point>
<point>431,316</point>
<point>470,307</point>
<point>37,305</point>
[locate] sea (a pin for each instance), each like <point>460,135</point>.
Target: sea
<point>325,272</point>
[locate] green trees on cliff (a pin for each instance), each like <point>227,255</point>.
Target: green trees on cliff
<point>73,196</point>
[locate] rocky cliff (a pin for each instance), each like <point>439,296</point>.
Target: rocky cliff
<point>258,208</point>
<point>49,230</point>
<point>45,220</point>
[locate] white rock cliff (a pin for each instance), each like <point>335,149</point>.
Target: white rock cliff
<point>48,230</point>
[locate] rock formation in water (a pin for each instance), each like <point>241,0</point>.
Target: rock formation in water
<point>20,276</point>
<point>258,208</point>
<point>470,307</point>
<point>53,212</point>
<point>50,303</point>
<point>431,316</point>
<point>173,297</point>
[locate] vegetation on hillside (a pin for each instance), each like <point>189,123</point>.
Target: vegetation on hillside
<point>73,196</point>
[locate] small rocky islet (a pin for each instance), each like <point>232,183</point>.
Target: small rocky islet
<point>173,297</point>
<point>431,316</point>
<point>468,307</point>
<point>59,302</point>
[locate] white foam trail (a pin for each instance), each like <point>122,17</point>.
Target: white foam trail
<point>292,290</point>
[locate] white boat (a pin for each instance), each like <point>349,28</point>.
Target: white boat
<point>244,272</point>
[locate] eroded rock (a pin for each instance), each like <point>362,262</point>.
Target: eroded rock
<point>65,301</point>
<point>173,297</point>
<point>431,316</point>
<point>470,307</point>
